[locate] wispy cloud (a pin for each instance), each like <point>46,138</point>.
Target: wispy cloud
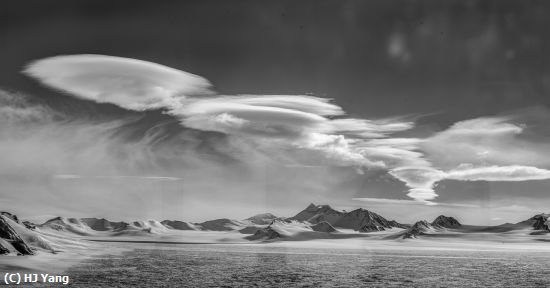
<point>154,178</point>
<point>498,148</point>
<point>411,202</point>
<point>298,121</point>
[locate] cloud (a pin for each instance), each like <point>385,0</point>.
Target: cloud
<point>498,173</point>
<point>272,122</point>
<point>420,179</point>
<point>154,178</point>
<point>291,127</point>
<point>410,202</point>
<point>16,109</point>
<point>518,138</point>
<point>129,83</point>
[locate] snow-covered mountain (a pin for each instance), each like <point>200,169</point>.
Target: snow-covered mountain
<point>179,225</point>
<point>419,228</point>
<point>314,222</point>
<point>69,225</point>
<point>441,224</point>
<point>103,224</point>
<point>361,220</point>
<point>222,224</point>
<point>10,240</point>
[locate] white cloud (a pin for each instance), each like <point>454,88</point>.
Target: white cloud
<point>282,121</point>
<point>497,148</point>
<point>420,179</point>
<point>411,202</point>
<point>498,173</point>
<point>501,141</point>
<point>129,83</point>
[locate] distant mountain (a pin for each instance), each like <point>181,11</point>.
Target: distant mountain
<point>440,224</point>
<point>538,223</point>
<point>262,219</point>
<point>361,220</point>
<point>541,222</point>
<point>71,225</point>
<point>446,222</point>
<point>419,228</point>
<point>103,224</point>
<point>318,213</point>
<point>223,224</point>
<point>179,225</point>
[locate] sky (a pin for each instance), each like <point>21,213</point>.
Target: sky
<point>195,110</point>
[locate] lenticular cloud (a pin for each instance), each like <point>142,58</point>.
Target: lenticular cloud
<point>300,121</point>
<point>129,83</point>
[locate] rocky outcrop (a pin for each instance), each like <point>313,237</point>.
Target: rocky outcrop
<point>446,222</point>
<point>29,225</point>
<point>264,234</point>
<point>541,222</point>
<point>11,216</point>
<point>10,235</point>
<point>4,250</point>
<point>323,227</point>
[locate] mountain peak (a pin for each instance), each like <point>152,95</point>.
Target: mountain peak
<point>417,229</point>
<point>541,222</point>
<point>359,219</point>
<point>262,219</point>
<point>446,222</point>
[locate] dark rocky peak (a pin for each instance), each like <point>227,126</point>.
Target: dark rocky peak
<point>363,220</point>
<point>29,225</point>
<point>11,236</point>
<point>317,213</point>
<point>446,222</point>
<point>541,222</point>
<point>319,208</point>
<point>11,216</point>
<point>311,206</point>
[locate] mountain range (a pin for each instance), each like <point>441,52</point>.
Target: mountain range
<point>314,222</point>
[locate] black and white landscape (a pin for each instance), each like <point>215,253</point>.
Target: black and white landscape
<point>179,143</point>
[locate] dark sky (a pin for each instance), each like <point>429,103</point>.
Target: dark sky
<point>461,59</point>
